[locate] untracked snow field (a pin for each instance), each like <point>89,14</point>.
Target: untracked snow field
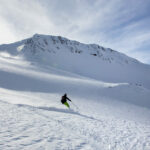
<point>32,117</point>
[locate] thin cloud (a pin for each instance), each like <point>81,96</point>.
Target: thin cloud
<point>6,34</point>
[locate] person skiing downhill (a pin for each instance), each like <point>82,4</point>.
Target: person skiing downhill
<point>64,99</point>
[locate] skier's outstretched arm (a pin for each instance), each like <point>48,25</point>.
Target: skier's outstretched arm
<point>68,99</point>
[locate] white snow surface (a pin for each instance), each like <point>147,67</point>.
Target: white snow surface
<point>110,93</point>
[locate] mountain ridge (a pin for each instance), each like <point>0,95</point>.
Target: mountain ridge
<point>89,60</point>
<point>37,38</point>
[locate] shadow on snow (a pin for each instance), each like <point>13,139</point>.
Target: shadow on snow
<point>60,110</point>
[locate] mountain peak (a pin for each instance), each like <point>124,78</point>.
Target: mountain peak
<point>45,46</point>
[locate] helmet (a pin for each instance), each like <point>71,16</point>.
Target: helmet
<point>65,94</point>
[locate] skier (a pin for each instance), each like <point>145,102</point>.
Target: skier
<point>64,99</point>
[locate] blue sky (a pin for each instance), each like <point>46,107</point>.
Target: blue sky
<point>123,25</point>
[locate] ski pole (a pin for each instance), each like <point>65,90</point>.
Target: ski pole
<point>75,105</point>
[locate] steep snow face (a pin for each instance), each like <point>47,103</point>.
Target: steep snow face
<point>88,60</point>
<point>55,44</point>
<point>52,44</point>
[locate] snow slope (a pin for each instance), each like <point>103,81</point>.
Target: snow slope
<point>108,112</point>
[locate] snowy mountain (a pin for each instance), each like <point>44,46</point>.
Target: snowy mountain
<point>36,72</point>
<point>88,60</point>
